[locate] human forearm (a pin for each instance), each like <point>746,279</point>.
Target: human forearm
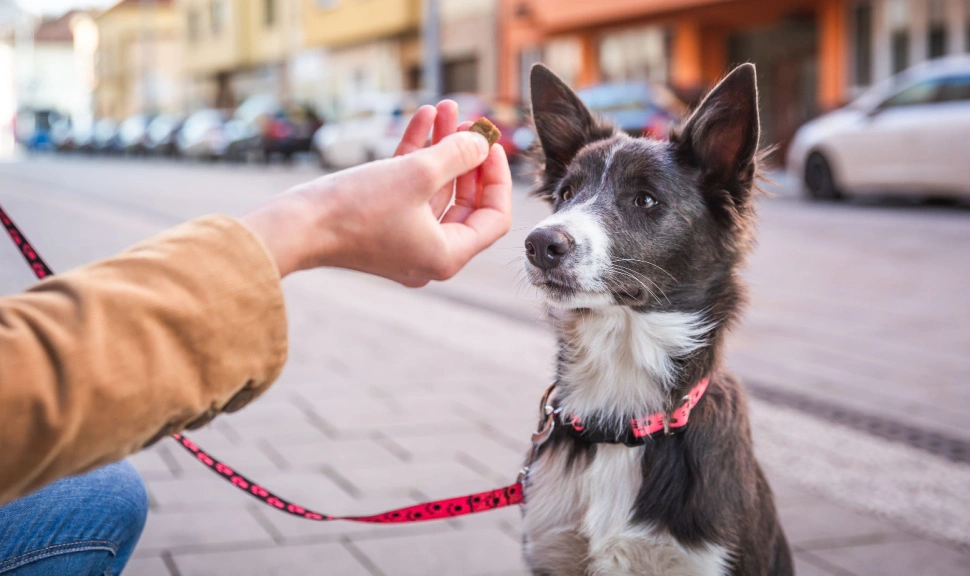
<point>391,218</point>
<point>98,361</point>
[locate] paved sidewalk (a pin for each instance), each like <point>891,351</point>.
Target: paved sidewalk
<point>395,396</point>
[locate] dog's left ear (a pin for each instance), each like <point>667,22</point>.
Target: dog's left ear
<point>721,136</point>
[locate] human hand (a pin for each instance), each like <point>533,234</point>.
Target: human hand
<point>394,218</point>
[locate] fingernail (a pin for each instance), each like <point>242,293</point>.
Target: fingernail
<point>480,141</point>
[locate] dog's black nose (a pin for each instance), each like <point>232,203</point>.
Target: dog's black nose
<point>545,247</point>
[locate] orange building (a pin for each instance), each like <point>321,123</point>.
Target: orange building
<point>800,47</point>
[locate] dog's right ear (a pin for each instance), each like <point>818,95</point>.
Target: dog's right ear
<point>563,123</point>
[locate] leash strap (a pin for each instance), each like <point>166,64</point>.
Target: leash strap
<point>436,510</point>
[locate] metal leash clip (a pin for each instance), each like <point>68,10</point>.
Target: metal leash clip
<point>547,411</point>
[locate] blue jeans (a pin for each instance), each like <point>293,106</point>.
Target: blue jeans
<point>81,526</point>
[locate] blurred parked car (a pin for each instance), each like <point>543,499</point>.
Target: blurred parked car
<point>105,137</point>
<point>368,131</point>
<point>82,136</point>
<point>202,135</point>
<point>909,134</point>
<point>32,128</point>
<point>263,127</point>
<point>637,108</point>
<point>61,135</point>
<point>162,133</point>
<point>133,134</point>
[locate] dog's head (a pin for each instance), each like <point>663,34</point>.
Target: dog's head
<point>636,222</point>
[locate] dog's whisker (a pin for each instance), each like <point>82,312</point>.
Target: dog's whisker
<point>649,263</point>
<point>633,275</point>
<point>627,273</point>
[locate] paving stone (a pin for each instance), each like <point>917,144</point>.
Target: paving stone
<point>152,566</point>
<point>921,557</point>
<point>333,453</point>
<point>214,492</point>
<point>821,522</point>
<point>265,412</point>
<point>198,529</point>
<point>804,567</point>
<point>466,553</point>
<point>151,464</point>
<point>469,448</point>
<point>296,427</point>
<point>317,558</point>
<point>394,479</point>
<point>788,493</point>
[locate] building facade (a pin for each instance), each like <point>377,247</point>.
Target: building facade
<point>812,55</point>
<point>238,48</point>
<point>469,58</point>
<point>355,48</point>
<point>139,68</point>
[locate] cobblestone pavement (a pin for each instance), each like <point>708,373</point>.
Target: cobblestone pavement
<point>393,396</point>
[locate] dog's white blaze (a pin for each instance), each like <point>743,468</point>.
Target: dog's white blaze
<point>591,260</point>
<point>608,162</point>
<point>620,361</point>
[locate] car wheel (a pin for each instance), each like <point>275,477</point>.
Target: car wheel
<point>819,179</point>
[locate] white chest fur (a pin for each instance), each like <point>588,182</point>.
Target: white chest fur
<point>578,521</point>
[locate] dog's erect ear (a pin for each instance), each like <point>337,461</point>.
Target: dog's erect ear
<point>563,123</point>
<point>721,136</point>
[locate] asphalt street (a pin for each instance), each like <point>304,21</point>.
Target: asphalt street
<point>854,348</point>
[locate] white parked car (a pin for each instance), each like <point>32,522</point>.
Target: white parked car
<point>203,135</point>
<point>910,134</point>
<point>369,131</point>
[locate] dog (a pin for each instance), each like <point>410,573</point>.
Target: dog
<point>644,463</point>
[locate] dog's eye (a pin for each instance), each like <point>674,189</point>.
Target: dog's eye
<point>567,194</point>
<point>645,201</point>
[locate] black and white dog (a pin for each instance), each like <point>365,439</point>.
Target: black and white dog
<point>640,265</point>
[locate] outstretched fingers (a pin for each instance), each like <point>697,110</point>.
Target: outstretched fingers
<point>445,124</point>
<point>416,134</point>
<point>473,226</point>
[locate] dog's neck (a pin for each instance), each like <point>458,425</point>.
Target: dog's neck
<point>616,363</point>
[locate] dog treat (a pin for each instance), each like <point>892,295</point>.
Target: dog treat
<point>487,129</point>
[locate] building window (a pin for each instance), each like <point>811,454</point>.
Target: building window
<point>269,13</point>
<point>461,75</point>
<point>863,44</point>
<point>635,54</point>
<point>195,26</point>
<point>217,16</point>
<point>898,12</point>
<point>900,50</point>
<point>936,35</point>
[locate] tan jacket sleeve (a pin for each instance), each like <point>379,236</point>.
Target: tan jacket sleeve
<point>103,360</point>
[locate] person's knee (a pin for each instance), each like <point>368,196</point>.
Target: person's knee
<point>124,493</point>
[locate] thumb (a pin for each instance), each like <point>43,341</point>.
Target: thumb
<point>455,155</point>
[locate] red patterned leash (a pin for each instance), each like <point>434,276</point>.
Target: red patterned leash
<point>439,509</point>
